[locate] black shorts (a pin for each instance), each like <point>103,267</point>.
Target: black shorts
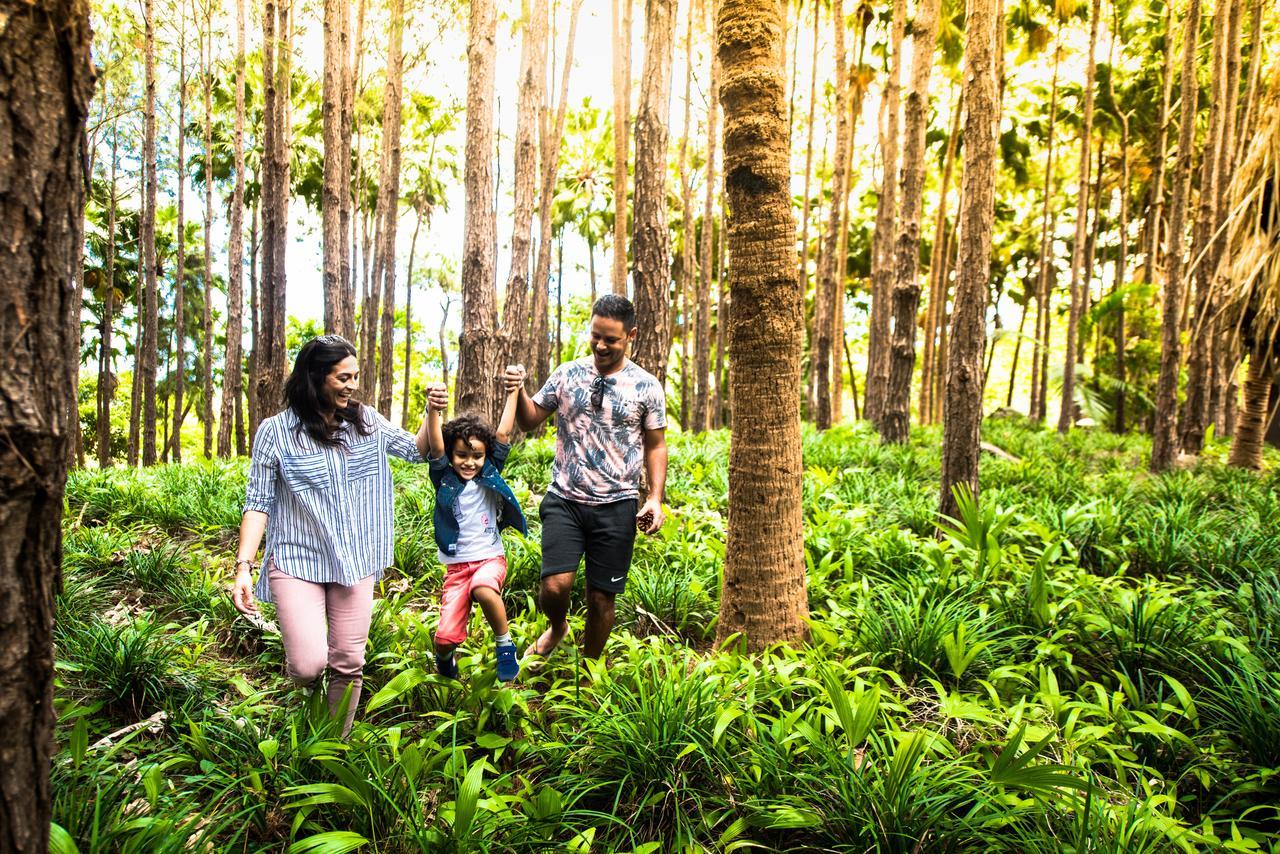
<point>604,533</point>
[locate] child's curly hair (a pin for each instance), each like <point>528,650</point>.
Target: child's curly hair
<point>466,427</point>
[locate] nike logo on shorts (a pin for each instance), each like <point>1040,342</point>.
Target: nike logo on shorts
<point>616,580</point>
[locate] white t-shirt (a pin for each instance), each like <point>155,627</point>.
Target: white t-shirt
<point>477,513</point>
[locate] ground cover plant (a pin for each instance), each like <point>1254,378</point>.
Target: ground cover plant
<point>1088,659</point>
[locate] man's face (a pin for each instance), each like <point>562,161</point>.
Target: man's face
<point>609,340</point>
<point>343,381</point>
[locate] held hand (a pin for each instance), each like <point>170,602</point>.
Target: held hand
<point>437,397</point>
<point>650,518</point>
<point>513,378</point>
<point>242,593</point>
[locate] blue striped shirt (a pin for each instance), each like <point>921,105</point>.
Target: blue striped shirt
<point>329,507</point>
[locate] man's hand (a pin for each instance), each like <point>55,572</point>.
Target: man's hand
<point>437,396</point>
<point>242,593</point>
<point>650,517</point>
<point>513,378</point>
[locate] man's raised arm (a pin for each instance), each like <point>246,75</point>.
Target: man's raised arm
<point>528,414</point>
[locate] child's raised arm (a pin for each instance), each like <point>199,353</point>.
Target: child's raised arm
<point>437,402</point>
<point>513,382</point>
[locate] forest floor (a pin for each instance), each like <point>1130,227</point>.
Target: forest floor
<point>1088,661</point>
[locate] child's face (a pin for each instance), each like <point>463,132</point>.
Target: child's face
<point>467,457</point>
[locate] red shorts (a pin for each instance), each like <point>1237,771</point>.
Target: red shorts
<point>460,580</point>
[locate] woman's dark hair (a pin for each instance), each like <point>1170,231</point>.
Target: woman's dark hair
<point>615,307</point>
<point>303,390</point>
<point>467,427</point>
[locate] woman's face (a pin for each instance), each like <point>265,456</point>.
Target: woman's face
<point>343,381</point>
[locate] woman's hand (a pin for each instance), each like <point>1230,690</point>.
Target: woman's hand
<point>242,593</point>
<point>437,397</point>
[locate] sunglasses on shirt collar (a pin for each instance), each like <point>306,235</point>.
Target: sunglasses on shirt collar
<point>598,387</point>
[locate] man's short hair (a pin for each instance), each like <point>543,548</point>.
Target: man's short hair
<point>616,307</point>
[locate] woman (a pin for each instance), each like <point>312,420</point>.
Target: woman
<point>320,487</point>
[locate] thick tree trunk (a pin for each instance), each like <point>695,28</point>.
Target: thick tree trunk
<point>963,405</point>
<point>1165,442</point>
<point>553,133</point>
<point>621,137</point>
<point>896,417</point>
<point>206,314</point>
<point>146,355</point>
<point>1195,411</point>
<point>823,349</point>
<point>337,160</point>
<point>389,201</point>
<point>886,228</point>
<point>651,243</point>
<point>180,261</point>
<point>476,388</point>
<point>1066,415</point>
<point>705,395</point>
<point>1246,445</point>
<point>937,281</point>
<point>46,81</point>
<point>269,346</point>
<point>532,93</point>
<point>763,598</point>
<point>231,369</point>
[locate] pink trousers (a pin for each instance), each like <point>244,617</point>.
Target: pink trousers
<point>324,625</point>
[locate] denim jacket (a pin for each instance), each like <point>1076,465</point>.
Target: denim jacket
<point>448,486</point>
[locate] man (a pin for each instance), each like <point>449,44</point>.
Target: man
<point>610,426</point>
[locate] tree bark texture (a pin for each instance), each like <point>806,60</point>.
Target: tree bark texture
<point>896,417</point>
<point>822,350</point>
<point>270,345</point>
<point>145,363</point>
<point>651,242</point>
<point>1155,208</point>
<point>1164,444</point>
<point>886,228</point>
<point>106,377</point>
<point>937,306</point>
<point>962,423</point>
<point>337,163</point>
<point>476,388</point>
<point>46,82</point>
<point>621,138</point>
<point>763,598</point>
<point>1246,445</point>
<point>802,274</point>
<point>1222,350</point>
<point>232,378</point>
<point>206,312</point>
<point>389,201</point>
<point>1079,288</point>
<point>180,261</point>
<point>688,264</point>
<point>705,394</point>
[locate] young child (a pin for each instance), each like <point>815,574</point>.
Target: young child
<point>473,506</point>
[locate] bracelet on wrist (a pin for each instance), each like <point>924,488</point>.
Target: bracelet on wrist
<point>247,564</point>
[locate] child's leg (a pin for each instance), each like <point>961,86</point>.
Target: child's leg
<point>455,607</point>
<point>486,585</point>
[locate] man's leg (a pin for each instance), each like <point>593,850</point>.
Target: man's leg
<point>600,616</point>
<point>553,600</point>
<point>563,544</point>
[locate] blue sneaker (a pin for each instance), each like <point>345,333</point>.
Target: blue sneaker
<point>508,665</point>
<point>447,666</point>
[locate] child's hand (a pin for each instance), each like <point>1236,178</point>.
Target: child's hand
<point>513,378</point>
<point>437,397</point>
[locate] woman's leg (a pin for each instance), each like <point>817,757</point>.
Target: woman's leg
<point>300,609</point>
<point>350,609</point>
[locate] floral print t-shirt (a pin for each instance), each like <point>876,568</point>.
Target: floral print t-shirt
<point>600,450</point>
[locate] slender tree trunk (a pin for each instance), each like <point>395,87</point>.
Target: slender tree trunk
<point>1066,415</point>
<point>336,132</point>
<point>1195,411</point>
<point>949,260</point>
<point>701,416</point>
<point>1122,276</point>
<point>1090,255</point>
<point>476,388</point>
<point>688,377</point>
<point>107,377</point>
<point>146,355</point>
<point>349,72</point>
<point>255,324</point>
<point>390,194</point>
<point>206,314</point>
<point>963,405</point>
<point>805,202</point>
<point>1255,74</point>
<point>1165,443</point>
<point>1045,280</point>
<point>651,273</point>
<point>553,133</point>
<point>1246,445</point>
<point>231,369</point>
<point>1156,204</point>
<point>621,137</point>
<point>180,262</point>
<point>937,286</point>
<point>896,418</point>
<point>857,92</point>
<point>47,79</point>
<point>269,346</point>
<point>405,418</point>
<point>886,228</point>
<point>1222,358</point>
<point>763,596</point>
<point>532,93</point>
<point>1017,349</point>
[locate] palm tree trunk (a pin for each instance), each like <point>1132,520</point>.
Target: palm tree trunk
<point>1246,445</point>
<point>763,596</point>
<point>1164,445</point>
<point>963,405</point>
